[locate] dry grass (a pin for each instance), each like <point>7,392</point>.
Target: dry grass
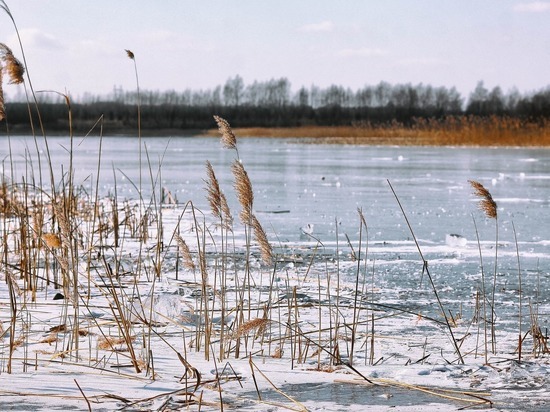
<point>449,131</point>
<point>261,238</point>
<point>258,324</point>
<point>188,262</point>
<point>14,70</point>
<point>216,198</point>
<point>229,140</point>
<point>244,191</point>
<point>486,203</point>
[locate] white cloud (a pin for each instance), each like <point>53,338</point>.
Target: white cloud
<point>324,26</point>
<point>40,39</point>
<point>362,52</point>
<point>533,7</point>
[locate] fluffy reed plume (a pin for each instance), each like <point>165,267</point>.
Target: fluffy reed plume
<point>51,338</point>
<point>226,211</point>
<point>216,198</point>
<point>243,187</point>
<point>112,343</point>
<point>12,66</point>
<point>213,191</point>
<point>266,250</point>
<point>130,54</point>
<point>51,240</point>
<point>14,69</point>
<point>228,137</point>
<point>257,324</point>
<point>486,204</point>
<point>185,252</point>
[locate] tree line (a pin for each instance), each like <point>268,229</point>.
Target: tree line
<point>272,103</point>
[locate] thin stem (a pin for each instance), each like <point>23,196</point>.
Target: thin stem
<point>519,297</point>
<point>425,268</point>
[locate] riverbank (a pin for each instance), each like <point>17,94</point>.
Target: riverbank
<point>463,133</point>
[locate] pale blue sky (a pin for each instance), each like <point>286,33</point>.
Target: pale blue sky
<point>78,45</point>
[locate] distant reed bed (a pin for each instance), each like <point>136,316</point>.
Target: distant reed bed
<point>447,131</point>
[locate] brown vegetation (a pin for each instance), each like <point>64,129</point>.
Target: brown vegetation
<point>450,131</point>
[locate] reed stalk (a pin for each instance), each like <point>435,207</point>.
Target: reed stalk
<point>356,309</point>
<point>483,292</point>
<point>132,57</point>
<point>520,339</point>
<point>489,207</point>
<point>427,271</point>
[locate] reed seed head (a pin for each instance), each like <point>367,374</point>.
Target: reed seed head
<point>257,324</point>
<point>226,212</point>
<point>186,253</point>
<point>216,198</point>
<point>266,251</point>
<point>112,343</point>
<point>213,191</point>
<point>130,54</point>
<point>13,67</point>
<point>243,187</point>
<point>229,140</point>
<point>486,204</point>
<point>52,240</point>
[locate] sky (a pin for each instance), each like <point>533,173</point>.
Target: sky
<point>77,46</point>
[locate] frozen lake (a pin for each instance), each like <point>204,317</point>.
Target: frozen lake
<point>319,184</point>
<point>298,184</point>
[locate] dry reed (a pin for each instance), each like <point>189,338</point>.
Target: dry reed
<point>258,324</point>
<point>15,71</point>
<point>228,137</point>
<point>185,252</point>
<point>266,250</point>
<point>52,240</point>
<point>461,130</point>
<point>489,207</point>
<point>13,66</point>
<point>216,198</point>
<point>486,204</point>
<point>243,188</point>
<point>213,191</point>
<point>114,343</point>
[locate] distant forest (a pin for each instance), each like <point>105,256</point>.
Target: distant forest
<point>273,104</point>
